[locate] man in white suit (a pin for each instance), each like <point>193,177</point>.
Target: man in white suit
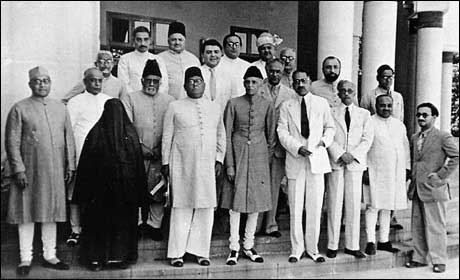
<point>306,162</point>
<point>348,156</point>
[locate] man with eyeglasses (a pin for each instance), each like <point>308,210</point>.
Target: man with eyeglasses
<point>111,85</point>
<point>434,159</point>
<point>232,63</point>
<point>348,157</point>
<point>131,65</point>
<point>41,153</point>
<point>266,45</point>
<point>146,109</point>
<point>177,59</point>
<point>84,110</point>
<point>288,56</point>
<point>385,77</point>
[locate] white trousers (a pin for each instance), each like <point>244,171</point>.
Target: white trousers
<point>26,237</point>
<point>155,216</point>
<point>344,186</point>
<point>251,224</point>
<point>384,217</point>
<point>305,191</point>
<point>190,231</point>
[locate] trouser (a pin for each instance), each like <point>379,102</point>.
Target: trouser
<point>75,218</point>
<point>384,217</point>
<point>155,215</point>
<point>251,223</point>
<point>307,190</point>
<point>277,172</point>
<point>429,232</point>
<point>26,237</point>
<point>344,185</point>
<point>190,231</point>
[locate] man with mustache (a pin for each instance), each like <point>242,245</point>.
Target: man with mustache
<point>111,85</point>
<point>288,56</point>
<point>131,65</point>
<point>177,59</point>
<point>266,45</point>
<point>327,87</point>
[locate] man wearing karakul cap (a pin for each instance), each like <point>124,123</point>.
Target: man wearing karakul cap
<point>193,149</point>
<point>177,59</point>
<point>266,45</point>
<point>41,153</point>
<point>146,109</point>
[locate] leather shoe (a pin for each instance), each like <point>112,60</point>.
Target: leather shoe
<point>293,259</point>
<point>413,264</point>
<point>275,234</point>
<point>95,266</point>
<point>370,248</point>
<point>356,253</point>
<point>331,253</point>
<point>316,258</point>
<point>439,268</point>
<point>203,261</point>
<point>23,270</point>
<point>177,262</point>
<point>386,246</point>
<point>396,226</point>
<point>58,266</point>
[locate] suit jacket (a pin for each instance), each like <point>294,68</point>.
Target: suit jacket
<point>284,94</point>
<point>437,147</point>
<point>356,142</point>
<point>321,128</point>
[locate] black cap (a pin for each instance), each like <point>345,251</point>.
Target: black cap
<point>253,71</point>
<point>176,27</point>
<point>151,68</point>
<point>192,72</point>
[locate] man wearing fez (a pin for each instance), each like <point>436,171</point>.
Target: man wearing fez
<point>266,45</point>
<point>177,59</point>
<point>146,109</point>
<point>193,150</point>
<point>250,124</point>
<point>41,153</point>
<point>111,85</point>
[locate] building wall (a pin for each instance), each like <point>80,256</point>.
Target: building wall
<point>213,19</point>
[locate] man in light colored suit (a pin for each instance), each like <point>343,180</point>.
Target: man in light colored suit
<point>274,91</point>
<point>306,162</point>
<point>348,156</point>
<point>429,189</point>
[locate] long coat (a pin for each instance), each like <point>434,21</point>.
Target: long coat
<point>250,127</point>
<point>39,141</point>
<point>193,140</point>
<point>387,159</point>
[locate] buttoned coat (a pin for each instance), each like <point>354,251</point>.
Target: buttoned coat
<point>322,128</point>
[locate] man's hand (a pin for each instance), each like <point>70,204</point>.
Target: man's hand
<point>21,179</point>
<point>231,174</point>
<point>346,158</point>
<point>69,176</point>
<point>165,170</point>
<point>408,175</point>
<point>303,151</point>
<point>218,168</point>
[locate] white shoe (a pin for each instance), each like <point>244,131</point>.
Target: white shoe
<point>252,254</point>
<point>232,258</point>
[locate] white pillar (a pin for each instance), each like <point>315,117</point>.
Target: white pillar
<point>430,40</point>
<point>335,35</point>
<point>446,92</point>
<point>379,40</point>
<point>61,36</point>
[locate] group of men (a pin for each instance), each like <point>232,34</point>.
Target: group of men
<point>229,134</point>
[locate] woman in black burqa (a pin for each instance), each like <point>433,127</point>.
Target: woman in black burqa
<point>110,186</point>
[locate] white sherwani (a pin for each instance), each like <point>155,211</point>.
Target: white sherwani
<point>237,68</point>
<point>225,87</point>
<point>261,65</point>
<point>176,64</point>
<point>131,66</point>
<point>193,140</point>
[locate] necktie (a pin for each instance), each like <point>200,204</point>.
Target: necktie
<point>347,118</point>
<point>213,84</point>
<point>420,140</point>
<point>304,125</point>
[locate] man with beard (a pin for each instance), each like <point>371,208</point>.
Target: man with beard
<point>41,154</point>
<point>327,87</point>
<point>177,59</point>
<point>434,158</point>
<point>232,63</point>
<point>266,45</point>
<point>276,93</point>
<point>131,65</point>
<point>306,163</point>
<point>111,85</point>
<point>288,56</point>
<point>146,109</point>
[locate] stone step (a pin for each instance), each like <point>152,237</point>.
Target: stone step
<point>274,266</point>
